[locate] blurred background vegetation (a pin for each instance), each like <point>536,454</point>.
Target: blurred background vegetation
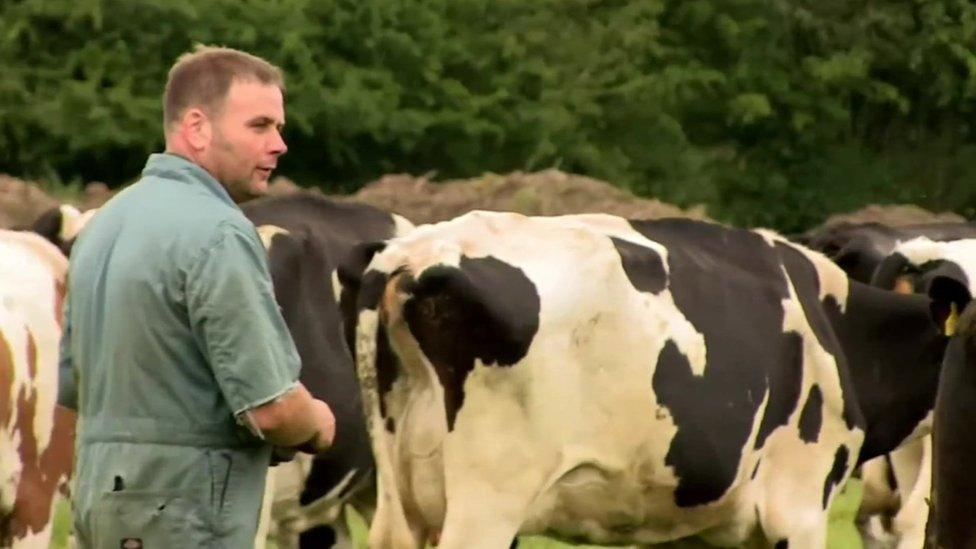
<point>770,112</point>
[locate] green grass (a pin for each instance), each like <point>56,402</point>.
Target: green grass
<point>841,535</point>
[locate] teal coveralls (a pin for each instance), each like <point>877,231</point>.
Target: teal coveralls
<point>172,334</point>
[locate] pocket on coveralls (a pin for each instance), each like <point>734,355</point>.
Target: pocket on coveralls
<point>139,519</point>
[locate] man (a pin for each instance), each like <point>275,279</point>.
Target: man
<point>174,351</point>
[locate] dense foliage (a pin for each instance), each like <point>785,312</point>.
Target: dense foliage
<point>772,112</point>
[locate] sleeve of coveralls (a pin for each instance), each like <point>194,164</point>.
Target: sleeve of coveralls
<point>67,377</point>
<point>234,315</point>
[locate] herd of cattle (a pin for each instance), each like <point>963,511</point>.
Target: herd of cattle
<point>585,377</point>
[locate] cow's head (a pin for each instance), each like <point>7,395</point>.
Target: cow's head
<point>62,225</point>
<point>937,269</point>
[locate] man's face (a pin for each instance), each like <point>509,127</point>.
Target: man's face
<point>246,140</point>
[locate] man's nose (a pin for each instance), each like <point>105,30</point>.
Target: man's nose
<point>278,146</point>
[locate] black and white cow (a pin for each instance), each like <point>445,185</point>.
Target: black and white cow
<point>61,225</point>
<point>600,380</point>
<point>308,236</point>
<point>896,486</point>
<point>946,271</point>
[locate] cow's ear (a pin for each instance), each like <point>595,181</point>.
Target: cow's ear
<point>949,297</point>
<point>48,225</point>
<point>351,268</point>
<point>892,273</point>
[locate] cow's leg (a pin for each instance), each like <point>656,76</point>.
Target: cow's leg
<point>482,520</point>
<point>390,527</point>
<point>264,519</point>
<point>910,521</point>
<point>796,484</point>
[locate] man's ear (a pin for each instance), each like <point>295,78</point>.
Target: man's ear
<point>196,128</point>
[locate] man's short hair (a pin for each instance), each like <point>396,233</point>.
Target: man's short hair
<point>203,76</point>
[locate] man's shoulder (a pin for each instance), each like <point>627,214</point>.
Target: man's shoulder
<point>190,203</point>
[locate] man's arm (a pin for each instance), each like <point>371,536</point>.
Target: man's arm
<point>235,317</point>
<point>295,419</point>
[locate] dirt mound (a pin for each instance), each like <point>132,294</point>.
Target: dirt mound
<point>21,202</point>
<point>893,215</point>
<point>549,192</point>
<point>281,185</point>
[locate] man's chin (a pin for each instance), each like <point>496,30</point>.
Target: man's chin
<point>257,189</point>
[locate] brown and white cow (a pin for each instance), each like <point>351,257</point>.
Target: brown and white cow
<point>36,435</point>
<point>612,381</point>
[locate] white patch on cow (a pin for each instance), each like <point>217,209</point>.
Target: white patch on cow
<point>833,280</point>
<point>268,232</point>
<point>618,227</point>
<point>336,285</point>
<point>961,252</point>
<point>401,225</point>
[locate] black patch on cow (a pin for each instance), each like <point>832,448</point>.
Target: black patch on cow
<point>784,389</point>
<point>836,474</point>
<point>812,415</point>
<point>730,285</point>
<point>484,309</point>
<point>320,536</point>
<point>782,544</point>
<point>48,225</point>
<point>387,368</point>
<point>350,273</point>
<point>371,290</point>
<point>643,266</point>
<point>890,477</point>
<point>704,462</point>
<point>894,352</point>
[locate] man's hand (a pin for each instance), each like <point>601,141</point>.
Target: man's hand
<point>319,443</point>
<point>325,432</point>
<point>296,420</point>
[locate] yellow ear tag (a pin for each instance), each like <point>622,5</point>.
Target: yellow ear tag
<point>950,323</point>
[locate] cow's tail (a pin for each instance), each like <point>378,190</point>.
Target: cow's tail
<point>390,528</point>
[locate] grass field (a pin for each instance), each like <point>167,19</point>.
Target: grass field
<point>842,534</point>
